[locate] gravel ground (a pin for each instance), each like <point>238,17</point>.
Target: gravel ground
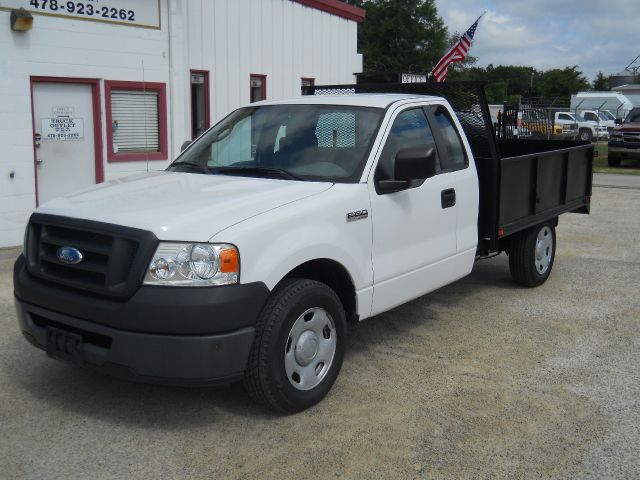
<point>481,379</point>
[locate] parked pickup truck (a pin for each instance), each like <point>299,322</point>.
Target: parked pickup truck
<point>624,141</point>
<point>247,258</point>
<point>601,117</point>
<point>587,129</point>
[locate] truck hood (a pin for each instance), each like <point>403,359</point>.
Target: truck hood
<point>628,127</point>
<point>181,206</point>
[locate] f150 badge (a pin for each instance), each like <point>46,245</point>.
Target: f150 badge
<point>357,215</point>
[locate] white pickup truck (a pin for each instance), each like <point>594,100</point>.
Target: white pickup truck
<point>587,129</point>
<point>600,117</point>
<point>281,224</point>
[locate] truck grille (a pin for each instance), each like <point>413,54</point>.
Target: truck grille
<point>631,136</point>
<point>114,258</point>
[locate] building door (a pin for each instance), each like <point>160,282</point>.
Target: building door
<point>64,137</point>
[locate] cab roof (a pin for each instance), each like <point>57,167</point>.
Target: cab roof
<point>378,100</point>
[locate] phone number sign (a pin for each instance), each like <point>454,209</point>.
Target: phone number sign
<point>141,13</point>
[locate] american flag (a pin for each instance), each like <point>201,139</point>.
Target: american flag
<point>457,53</point>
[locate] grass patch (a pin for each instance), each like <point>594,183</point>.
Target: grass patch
<point>628,167</point>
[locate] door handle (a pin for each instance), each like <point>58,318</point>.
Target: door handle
<point>448,197</point>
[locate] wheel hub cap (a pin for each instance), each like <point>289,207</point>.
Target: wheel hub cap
<point>306,348</point>
<point>310,348</point>
<point>544,250</point>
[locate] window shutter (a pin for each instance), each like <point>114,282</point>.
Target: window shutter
<point>136,119</point>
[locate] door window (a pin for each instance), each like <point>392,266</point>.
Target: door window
<point>409,129</point>
<point>452,153</point>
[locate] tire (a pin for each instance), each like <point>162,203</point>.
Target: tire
<point>585,135</point>
<point>532,253</point>
<point>300,317</point>
<point>614,160</point>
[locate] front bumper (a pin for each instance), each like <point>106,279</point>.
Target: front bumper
<point>624,149</point>
<point>157,336</point>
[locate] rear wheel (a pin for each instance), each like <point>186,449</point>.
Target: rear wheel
<point>299,346</point>
<point>613,160</point>
<point>585,135</point>
<point>532,253</point>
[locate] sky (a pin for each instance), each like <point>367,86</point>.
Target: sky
<point>596,35</point>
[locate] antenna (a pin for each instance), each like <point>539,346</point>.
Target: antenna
<point>631,69</point>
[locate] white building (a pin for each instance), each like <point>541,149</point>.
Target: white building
<point>98,89</point>
<point>615,102</point>
<point>631,91</point>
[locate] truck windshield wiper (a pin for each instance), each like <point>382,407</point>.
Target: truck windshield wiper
<point>192,164</point>
<point>280,172</point>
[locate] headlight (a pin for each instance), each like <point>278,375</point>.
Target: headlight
<point>194,265</point>
<point>615,138</point>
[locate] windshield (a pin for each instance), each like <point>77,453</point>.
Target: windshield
<point>633,117</point>
<point>302,142</point>
<point>606,115</point>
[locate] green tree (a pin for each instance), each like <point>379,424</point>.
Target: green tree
<point>601,82</point>
<point>506,82</point>
<point>561,82</point>
<point>400,36</point>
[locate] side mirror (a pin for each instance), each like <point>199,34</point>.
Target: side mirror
<point>416,163</point>
<point>618,121</point>
<point>185,145</point>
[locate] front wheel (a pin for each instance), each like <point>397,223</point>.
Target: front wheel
<point>613,160</point>
<point>585,135</point>
<point>298,348</point>
<point>532,253</point>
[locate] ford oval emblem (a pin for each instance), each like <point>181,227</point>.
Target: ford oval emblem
<point>69,255</point>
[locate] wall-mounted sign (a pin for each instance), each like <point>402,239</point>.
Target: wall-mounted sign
<point>141,13</point>
<point>61,129</point>
<point>62,111</point>
<point>413,78</point>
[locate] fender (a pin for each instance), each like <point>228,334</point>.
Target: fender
<point>274,243</point>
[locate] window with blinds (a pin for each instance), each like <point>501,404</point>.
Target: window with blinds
<point>135,121</point>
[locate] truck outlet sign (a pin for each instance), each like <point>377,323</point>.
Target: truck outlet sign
<point>141,13</point>
<point>61,129</point>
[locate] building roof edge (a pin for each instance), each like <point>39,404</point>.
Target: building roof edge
<point>336,7</point>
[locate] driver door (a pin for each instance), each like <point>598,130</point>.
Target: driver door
<point>414,230</point>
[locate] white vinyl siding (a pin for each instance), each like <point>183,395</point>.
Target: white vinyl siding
<point>135,120</point>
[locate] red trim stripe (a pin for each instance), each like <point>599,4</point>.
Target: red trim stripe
<point>335,7</point>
